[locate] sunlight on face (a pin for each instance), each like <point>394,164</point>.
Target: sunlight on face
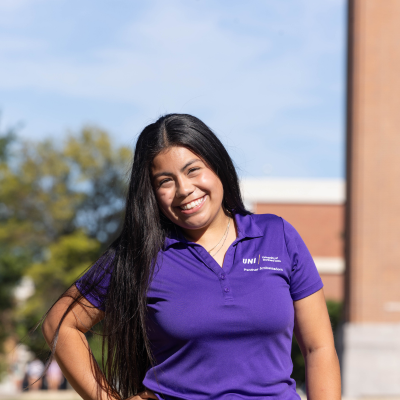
<point>188,192</point>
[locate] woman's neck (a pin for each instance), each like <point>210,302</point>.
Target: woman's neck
<point>210,235</point>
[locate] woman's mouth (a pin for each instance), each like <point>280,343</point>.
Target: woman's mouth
<point>193,205</point>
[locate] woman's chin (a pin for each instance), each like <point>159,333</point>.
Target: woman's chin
<point>195,224</point>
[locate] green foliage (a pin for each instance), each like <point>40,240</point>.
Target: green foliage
<point>94,339</point>
<point>65,260</point>
<point>11,269</point>
<point>5,141</point>
<point>299,373</point>
<point>13,259</point>
<point>335,309</point>
<point>60,205</point>
<point>101,172</point>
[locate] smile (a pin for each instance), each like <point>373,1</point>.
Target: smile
<point>192,204</point>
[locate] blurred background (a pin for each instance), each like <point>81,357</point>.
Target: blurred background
<point>304,95</point>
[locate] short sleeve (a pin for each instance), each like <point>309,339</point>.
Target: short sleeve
<point>304,277</point>
<point>93,285</point>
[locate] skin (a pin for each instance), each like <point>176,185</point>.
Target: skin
<point>179,177</point>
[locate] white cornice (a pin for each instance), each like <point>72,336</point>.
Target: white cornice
<point>295,191</point>
<point>330,265</point>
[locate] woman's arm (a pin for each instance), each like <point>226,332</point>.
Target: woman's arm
<point>72,352</point>
<point>314,334</point>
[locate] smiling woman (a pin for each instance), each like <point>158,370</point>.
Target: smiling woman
<point>184,185</point>
<point>191,197</point>
<point>182,316</point>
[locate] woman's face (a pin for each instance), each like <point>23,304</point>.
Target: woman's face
<point>188,192</point>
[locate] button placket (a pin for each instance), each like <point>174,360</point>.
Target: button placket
<point>223,278</point>
<point>225,286</point>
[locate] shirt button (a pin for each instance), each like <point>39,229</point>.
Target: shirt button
<point>226,290</point>
<point>222,276</point>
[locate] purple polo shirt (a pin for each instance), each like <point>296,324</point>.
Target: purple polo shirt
<point>226,333</point>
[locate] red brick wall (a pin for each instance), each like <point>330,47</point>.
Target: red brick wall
<point>322,228</point>
<point>374,162</point>
<point>320,225</point>
<point>333,286</point>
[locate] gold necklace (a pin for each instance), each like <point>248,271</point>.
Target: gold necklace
<point>223,237</point>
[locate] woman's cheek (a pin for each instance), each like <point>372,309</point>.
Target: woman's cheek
<point>212,184</point>
<point>206,182</point>
<point>165,200</point>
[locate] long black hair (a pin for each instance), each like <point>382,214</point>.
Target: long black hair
<point>132,257</point>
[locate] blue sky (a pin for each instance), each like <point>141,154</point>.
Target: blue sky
<point>267,76</point>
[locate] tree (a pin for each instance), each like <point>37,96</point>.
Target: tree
<point>60,205</point>
<point>65,260</point>
<point>12,258</point>
<point>102,173</point>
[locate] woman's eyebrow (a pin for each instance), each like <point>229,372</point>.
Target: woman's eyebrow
<point>155,176</point>
<point>189,163</point>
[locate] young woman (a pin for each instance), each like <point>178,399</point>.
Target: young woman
<point>198,297</point>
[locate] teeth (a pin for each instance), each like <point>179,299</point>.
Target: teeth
<point>192,204</point>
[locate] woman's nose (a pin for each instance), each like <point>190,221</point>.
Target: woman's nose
<point>184,187</point>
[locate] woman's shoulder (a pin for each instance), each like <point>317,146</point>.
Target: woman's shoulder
<point>266,219</point>
<point>275,223</point>
<point>260,224</point>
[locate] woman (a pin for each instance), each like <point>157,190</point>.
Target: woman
<point>198,297</point>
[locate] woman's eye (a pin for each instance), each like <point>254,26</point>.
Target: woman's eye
<point>192,170</point>
<point>163,181</point>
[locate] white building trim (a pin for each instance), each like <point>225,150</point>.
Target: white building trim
<point>330,265</point>
<point>294,191</point>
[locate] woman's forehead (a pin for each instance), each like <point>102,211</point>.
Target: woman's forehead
<point>173,158</point>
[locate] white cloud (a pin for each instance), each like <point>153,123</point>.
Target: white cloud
<point>166,49</point>
<point>17,12</point>
<point>13,46</point>
<point>239,66</point>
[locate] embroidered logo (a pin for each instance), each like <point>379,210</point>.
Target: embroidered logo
<point>256,260</point>
<point>271,259</point>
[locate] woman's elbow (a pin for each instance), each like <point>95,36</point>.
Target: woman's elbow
<point>53,319</point>
<point>49,327</point>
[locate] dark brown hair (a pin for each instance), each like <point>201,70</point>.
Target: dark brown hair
<point>132,257</point>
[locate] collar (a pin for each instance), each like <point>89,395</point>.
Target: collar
<point>246,225</point>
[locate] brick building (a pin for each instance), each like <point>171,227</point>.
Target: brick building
<point>316,209</point>
<point>371,334</point>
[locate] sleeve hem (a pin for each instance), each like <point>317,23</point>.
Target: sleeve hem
<point>308,291</point>
<point>90,298</point>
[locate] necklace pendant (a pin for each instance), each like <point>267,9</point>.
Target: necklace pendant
<point>223,238</point>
